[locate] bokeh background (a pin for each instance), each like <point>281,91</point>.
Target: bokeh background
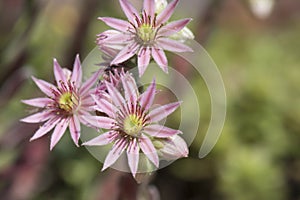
<point>254,43</point>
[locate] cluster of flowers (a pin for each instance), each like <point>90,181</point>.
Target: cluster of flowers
<point>115,105</point>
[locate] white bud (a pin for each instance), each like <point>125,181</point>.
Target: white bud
<point>183,35</point>
<point>261,8</point>
<point>160,5</point>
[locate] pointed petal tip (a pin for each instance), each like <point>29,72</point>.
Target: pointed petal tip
<point>32,138</point>
<point>104,168</point>
<point>87,143</point>
<point>77,59</point>
<point>25,120</point>
<point>24,101</point>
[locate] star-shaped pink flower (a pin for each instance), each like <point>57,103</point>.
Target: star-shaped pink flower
<point>64,105</point>
<point>132,123</point>
<point>146,34</point>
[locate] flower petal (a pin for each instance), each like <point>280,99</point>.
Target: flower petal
<point>129,10</point>
<point>107,38</point>
<point>163,111</point>
<point>89,83</point>
<point>120,25</point>
<point>130,88</point>
<point>133,156</point>
<point>37,117</point>
<point>99,121</point>
<point>116,96</point>
<point>160,58</point>
<point>87,103</point>
<point>58,73</point>
<point>146,99</point>
<point>173,27</point>
<point>165,15</point>
<point>126,53</point>
<point>44,86</point>
<point>156,130</point>
<point>58,132</point>
<point>114,153</point>
<point>45,128</point>
<point>173,45</point>
<point>77,72</point>
<point>149,150</point>
<point>149,7</point>
<point>103,139</point>
<point>105,106</point>
<point>74,127</point>
<point>143,59</point>
<point>38,102</point>
<point>174,148</point>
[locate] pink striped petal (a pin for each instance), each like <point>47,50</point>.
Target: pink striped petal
<point>147,97</point>
<point>165,15</point>
<point>129,10</point>
<point>44,86</point>
<point>38,102</point>
<point>115,38</point>
<point>161,112</point>
<point>106,35</point>
<point>118,24</point>
<point>133,156</point>
<point>58,132</point>
<point>173,45</point>
<point>144,56</point>
<point>81,116</point>
<point>88,102</point>
<point>58,73</point>
<point>149,150</point>
<point>45,128</point>
<point>173,27</point>
<point>105,106</point>
<point>114,153</point>
<point>77,72</point>
<point>99,121</point>
<point>116,96</point>
<point>74,127</point>
<point>86,86</point>
<point>130,88</point>
<point>103,139</point>
<point>126,53</point>
<point>156,130</point>
<point>160,58</point>
<point>149,7</point>
<point>37,117</point>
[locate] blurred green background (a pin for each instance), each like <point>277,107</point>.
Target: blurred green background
<point>257,51</point>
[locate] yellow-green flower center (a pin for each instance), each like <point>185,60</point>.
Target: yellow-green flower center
<point>146,34</point>
<point>67,101</point>
<point>133,125</point>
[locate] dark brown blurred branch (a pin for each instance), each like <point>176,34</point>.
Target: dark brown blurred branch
<point>118,186</point>
<point>204,28</point>
<point>207,21</point>
<point>76,45</point>
<point>22,178</point>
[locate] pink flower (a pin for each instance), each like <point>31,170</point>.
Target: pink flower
<point>145,34</point>
<point>65,104</point>
<point>131,122</point>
